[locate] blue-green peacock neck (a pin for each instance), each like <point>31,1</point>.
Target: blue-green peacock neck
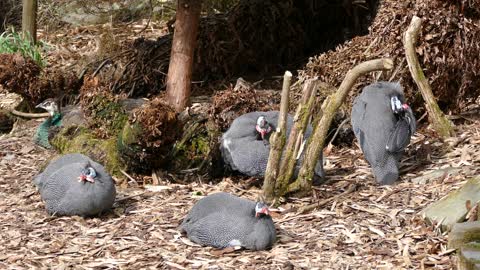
<point>42,135</point>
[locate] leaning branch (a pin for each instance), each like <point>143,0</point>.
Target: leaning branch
<point>277,142</point>
<point>29,115</point>
<point>439,122</point>
<point>331,104</point>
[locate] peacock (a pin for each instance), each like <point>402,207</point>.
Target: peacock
<point>44,134</point>
<point>70,115</point>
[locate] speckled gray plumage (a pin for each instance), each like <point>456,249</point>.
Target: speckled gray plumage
<point>243,152</point>
<point>63,194</point>
<point>219,201</point>
<point>56,164</point>
<point>377,128</point>
<point>220,218</point>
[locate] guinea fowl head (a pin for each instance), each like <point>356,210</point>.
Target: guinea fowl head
<point>397,106</point>
<point>263,127</point>
<point>87,174</point>
<point>50,105</point>
<point>261,209</point>
<point>403,111</point>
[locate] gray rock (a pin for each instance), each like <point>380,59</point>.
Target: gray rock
<point>451,209</point>
<point>79,14</point>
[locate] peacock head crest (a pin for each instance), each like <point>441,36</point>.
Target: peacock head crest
<point>50,105</point>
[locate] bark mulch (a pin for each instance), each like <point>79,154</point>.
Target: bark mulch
<point>371,227</point>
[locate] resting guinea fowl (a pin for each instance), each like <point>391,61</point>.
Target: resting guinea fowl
<point>223,220</point>
<point>70,115</point>
<point>75,185</point>
<point>245,148</point>
<point>383,124</point>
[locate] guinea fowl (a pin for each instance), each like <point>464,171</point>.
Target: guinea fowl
<point>383,124</point>
<point>75,185</point>
<point>245,148</point>
<point>223,220</point>
<point>70,115</point>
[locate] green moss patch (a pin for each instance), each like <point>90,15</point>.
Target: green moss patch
<point>81,140</point>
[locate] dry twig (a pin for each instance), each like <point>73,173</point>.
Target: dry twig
<point>308,208</point>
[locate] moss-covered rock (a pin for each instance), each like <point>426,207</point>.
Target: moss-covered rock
<point>198,149</point>
<point>451,208</point>
<point>81,140</point>
<point>104,111</point>
<point>146,140</point>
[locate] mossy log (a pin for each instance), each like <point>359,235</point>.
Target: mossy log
<point>132,154</point>
<point>440,123</point>
<point>151,139</point>
<point>105,114</point>
<point>301,119</point>
<point>316,142</point>
<point>146,140</point>
<point>197,150</point>
<point>452,208</point>
<point>157,138</point>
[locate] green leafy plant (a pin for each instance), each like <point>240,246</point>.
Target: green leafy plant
<point>13,42</point>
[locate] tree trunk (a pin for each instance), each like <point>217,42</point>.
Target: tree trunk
<point>181,57</point>
<point>29,20</point>
<point>440,123</point>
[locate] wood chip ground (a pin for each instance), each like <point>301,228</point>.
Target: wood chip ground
<point>372,227</point>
